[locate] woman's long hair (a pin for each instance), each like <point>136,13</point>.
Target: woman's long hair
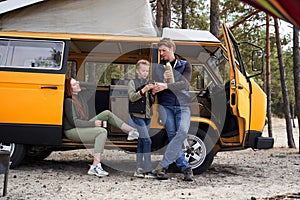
<point>69,94</point>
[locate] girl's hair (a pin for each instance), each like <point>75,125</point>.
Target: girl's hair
<point>139,63</point>
<point>68,90</point>
<point>168,43</point>
<point>69,94</point>
<point>142,62</point>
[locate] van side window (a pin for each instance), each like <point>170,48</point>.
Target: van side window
<point>3,51</point>
<point>71,69</point>
<point>214,71</point>
<point>202,78</point>
<point>108,73</point>
<point>219,64</point>
<point>33,54</point>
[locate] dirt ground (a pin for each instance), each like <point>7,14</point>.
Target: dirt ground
<point>246,174</point>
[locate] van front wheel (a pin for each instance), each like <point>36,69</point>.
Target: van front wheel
<point>198,152</point>
<point>17,153</point>
<point>37,155</point>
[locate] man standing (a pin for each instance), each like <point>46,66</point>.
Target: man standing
<point>174,110</point>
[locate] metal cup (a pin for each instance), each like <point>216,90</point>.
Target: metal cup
<point>104,124</point>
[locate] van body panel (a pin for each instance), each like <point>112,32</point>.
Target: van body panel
<point>258,108</point>
<point>239,89</point>
<point>32,76</point>
<point>31,134</point>
<point>249,104</point>
<point>31,98</point>
<point>78,36</point>
<point>31,107</point>
<point>243,94</point>
<point>205,121</point>
<point>243,103</point>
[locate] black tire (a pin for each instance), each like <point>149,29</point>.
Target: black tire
<point>199,151</point>
<point>17,153</point>
<point>37,155</point>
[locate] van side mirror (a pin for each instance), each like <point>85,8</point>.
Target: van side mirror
<point>254,66</point>
<point>257,60</point>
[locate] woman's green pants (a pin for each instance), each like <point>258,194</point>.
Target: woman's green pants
<point>98,135</point>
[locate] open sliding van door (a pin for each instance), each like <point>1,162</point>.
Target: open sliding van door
<point>32,74</point>
<point>240,90</point>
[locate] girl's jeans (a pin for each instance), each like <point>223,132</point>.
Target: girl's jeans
<point>144,143</point>
<point>177,123</point>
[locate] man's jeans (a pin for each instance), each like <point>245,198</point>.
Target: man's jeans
<point>177,123</point>
<point>144,143</point>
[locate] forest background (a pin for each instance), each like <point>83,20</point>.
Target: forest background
<point>247,24</point>
<point>277,37</point>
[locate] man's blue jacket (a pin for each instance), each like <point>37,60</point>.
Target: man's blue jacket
<point>177,93</point>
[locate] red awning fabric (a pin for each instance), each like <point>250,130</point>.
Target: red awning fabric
<point>287,10</point>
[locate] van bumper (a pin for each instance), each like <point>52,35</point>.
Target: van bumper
<point>254,140</point>
<point>264,142</point>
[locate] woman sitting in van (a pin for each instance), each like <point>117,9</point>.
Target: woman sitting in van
<point>79,128</point>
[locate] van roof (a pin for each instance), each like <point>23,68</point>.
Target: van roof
<point>189,35</point>
<point>82,17</point>
<point>7,6</point>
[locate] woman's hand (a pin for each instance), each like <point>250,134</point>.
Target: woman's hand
<point>98,123</point>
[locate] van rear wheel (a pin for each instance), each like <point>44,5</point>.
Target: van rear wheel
<point>17,153</point>
<point>199,152</point>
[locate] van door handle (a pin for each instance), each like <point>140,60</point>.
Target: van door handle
<point>49,87</point>
<point>240,87</point>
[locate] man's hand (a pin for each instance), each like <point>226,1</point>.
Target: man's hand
<point>159,87</point>
<point>167,74</point>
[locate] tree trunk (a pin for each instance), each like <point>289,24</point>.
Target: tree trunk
<point>167,13</point>
<point>296,60</point>
<point>215,17</point>
<point>159,14</point>
<point>268,77</point>
<point>184,16</point>
<point>285,96</point>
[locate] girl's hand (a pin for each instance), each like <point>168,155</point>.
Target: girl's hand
<point>147,87</point>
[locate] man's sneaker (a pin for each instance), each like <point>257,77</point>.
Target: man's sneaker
<point>139,173</point>
<point>161,173</point>
<point>150,175</point>
<point>97,170</point>
<point>188,174</point>
<point>133,135</point>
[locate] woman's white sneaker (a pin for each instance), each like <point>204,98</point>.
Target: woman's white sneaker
<point>133,135</point>
<point>97,170</point>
